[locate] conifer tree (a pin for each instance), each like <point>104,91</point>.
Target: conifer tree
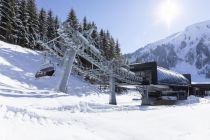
<point>95,37</point>
<point>101,36</point>
<point>103,42</point>
<point>56,26</point>
<point>117,50</point>
<point>42,27</point>
<point>23,32</point>
<point>72,20</point>
<point>111,48</point>
<point>17,22</point>
<point>84,24</point>
<point>21,23</point>
<point>6,21</point>
<point>80,29</point>
<point>33,22</point>
<point>50,25</point>
<point>14,18</point>
<point>105,45</point>
<point>138,60</point>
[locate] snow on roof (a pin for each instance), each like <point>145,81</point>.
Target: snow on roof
<point>204,83</point>
<point>171,77</point>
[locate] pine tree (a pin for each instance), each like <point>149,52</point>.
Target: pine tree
<point>6,21</point>
<point>14,18</point>
<point>50,26</point>
<point>101,36</point>
<point>33,22</point>
<point>84,24</point>
<point>102,42</point>
<point>56,26</point>
<point>95,37</point>
<point>42,26</point>
<point>23,32</point>
<point>17,21</point>
<point>80,29</point>
<point>138,60</point>
<point>22,24</point>
<point>72,20</point>
<point>111,48</point>
<point>127,62</point>
<point>117,50</point>
<point>105,45</point>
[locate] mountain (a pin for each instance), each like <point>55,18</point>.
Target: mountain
<point>186,52</point>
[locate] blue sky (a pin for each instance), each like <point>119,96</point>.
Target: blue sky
<point>133,22</point>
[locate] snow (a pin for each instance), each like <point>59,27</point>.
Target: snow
<point>189,69</point>
<point>93,48</point>
<point>126,71</point>
<point>169,98</point>
<point>192,35</point>
<point>32,109</point>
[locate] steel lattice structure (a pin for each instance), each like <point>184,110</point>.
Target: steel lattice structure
<point>78,46</point>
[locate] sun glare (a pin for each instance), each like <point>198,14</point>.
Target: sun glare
<point>168,12</point>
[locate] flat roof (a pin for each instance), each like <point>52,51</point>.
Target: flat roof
<point>202,85</point>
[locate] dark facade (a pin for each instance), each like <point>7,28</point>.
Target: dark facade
<point>147,70</point>
<point>156,75</point>
<point>200,89</point>
<point>162,82</point>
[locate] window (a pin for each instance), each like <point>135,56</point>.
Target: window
<point>168,77</point>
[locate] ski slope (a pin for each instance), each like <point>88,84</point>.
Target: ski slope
<point>31,109</point>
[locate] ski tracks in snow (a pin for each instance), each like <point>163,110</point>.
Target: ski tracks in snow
<point>24,115</point>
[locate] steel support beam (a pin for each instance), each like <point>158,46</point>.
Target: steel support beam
<point>67,67</point>
<point>145,97</point>
<point>112,98</point>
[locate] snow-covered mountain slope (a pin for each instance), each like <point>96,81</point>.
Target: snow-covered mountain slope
<point>18,67</point>
<point>186,52</point>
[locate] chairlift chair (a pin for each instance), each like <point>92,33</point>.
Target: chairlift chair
<point>46,70</point>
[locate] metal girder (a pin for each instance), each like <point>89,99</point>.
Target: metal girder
<point>79,45</point>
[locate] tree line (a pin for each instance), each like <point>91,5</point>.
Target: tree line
<point>21,23</point>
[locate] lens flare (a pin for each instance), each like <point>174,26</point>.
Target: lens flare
<point>168,12</point>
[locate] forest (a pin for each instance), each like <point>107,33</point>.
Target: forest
<point>22,23</point>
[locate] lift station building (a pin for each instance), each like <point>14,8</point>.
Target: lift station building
<point>162,82</point>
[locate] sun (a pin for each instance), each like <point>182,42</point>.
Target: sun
<point>168,12</point>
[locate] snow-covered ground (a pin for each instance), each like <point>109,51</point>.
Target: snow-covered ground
<point>31,109</point>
